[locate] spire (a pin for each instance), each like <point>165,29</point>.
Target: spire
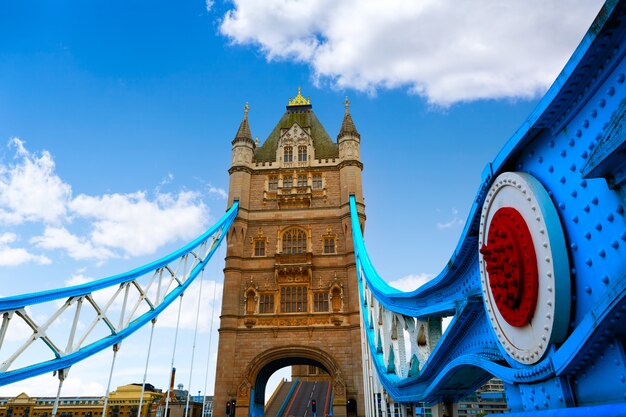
<point>244,128</point>
<point>347,126</point>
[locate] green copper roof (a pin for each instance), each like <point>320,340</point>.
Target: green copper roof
<point>304,116</point>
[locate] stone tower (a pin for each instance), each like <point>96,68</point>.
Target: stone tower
<point>290,290</point>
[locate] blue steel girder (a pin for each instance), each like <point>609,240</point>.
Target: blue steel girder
<point>574,146</point>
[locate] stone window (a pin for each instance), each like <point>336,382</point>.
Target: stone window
<point>259,244</point>
<point>273,183</point>
<point>329,245</point>
<point>328,239</point>
<point>266,304</point>
<point>293,299</point>
<point>301,180</point>
<point>320,302</point>
<point>287,181</point>
<point>317,181</point>
<point>294,241</point>
<point>288,153</point>
<point>259,248</point>
<point>302,154</point>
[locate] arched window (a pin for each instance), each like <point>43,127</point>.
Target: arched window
<point>288,153</point>
<point>294,241</point>
<point>302,154</point>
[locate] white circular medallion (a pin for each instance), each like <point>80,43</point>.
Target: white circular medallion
<point>524,267</point>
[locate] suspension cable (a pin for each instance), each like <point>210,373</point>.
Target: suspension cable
<point>193,348</point>
<point>62,374</point>
<point>145,371</point>
<point>169,391</point>
<point>208,358</point>
<point>116,347</point>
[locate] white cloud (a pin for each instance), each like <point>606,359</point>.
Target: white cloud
<point>130,224</point>
<point>411,282</point>
<point>46,385</point>
<point>448,51</point>
<point>218,192</point>
<point>139,226</point>
<point>455,221</point>
<point>17,256</point>
<point>76,247</point>
<point>30,190</point>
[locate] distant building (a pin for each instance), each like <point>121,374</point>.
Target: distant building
<point>177,401</point>
<point>208,405</point>
<point>124,401</point>
<point>488,399</point>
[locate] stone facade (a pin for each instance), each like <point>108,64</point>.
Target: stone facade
<point>290,289</point>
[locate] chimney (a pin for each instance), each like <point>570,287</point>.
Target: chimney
<point>172,380</point>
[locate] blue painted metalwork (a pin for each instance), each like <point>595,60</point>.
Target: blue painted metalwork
<point>573,145</point>
<point>65,361</point>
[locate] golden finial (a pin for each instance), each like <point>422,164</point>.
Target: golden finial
<point>299,100</point>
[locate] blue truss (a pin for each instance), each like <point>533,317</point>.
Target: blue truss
<point>65,361</point>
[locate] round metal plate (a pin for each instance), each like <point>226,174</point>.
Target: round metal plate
<point>525,329</point>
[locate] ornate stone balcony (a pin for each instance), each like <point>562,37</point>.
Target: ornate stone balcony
<point>294,197</point>
<point>295,267</point>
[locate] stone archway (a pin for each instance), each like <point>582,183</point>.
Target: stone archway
<point>251,392</point>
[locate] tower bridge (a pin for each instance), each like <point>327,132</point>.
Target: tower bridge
<point>536,285</point>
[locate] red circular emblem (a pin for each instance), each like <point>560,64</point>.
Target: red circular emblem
<point>511,264</point>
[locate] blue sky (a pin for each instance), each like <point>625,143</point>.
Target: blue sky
<point>124,113</point>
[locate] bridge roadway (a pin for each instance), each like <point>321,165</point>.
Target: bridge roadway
<point>300,402</point>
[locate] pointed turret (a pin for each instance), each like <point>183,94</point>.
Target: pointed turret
<point>242,154</point>
<point>347,126</point>
<point>243,145</point>
<point>244,128</point>
<point>348,138</point>
<point>349,141</point>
